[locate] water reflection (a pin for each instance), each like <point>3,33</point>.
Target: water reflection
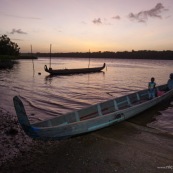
<point>50,78</point>
<point>164,120</point>
<point>45,96</point>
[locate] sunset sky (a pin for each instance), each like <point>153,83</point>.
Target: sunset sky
<point>80,25</point>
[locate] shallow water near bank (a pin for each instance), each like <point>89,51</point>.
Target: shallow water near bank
<point>164,121</point>
<point>45,96</point>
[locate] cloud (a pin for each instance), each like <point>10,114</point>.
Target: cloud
<point>83,22</point>
<point>18,31</point>
<point>16,39</point>
<point>22,17</point>
<point>116,17</point>
<point>97,21</point>
<point>143,16</point>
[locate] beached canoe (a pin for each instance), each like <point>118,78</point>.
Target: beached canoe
<point>73,71</point>
<point>91,118</point>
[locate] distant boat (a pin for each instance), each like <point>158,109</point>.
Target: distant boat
<point>91,118</point>
<point>73,71</point>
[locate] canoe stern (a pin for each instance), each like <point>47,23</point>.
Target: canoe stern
<point>23,119</point>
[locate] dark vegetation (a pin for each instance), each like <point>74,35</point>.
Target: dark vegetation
<point>7,61</point>
<point>8,52</point>
<point>7,47</point>
<point>142,54</point>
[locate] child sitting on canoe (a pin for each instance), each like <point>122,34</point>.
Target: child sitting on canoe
<point>152,88</point>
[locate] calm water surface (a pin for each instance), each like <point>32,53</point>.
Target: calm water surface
<point>46,96</point>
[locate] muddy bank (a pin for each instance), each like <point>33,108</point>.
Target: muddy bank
<point>126,147</point>
<point>13,139</point>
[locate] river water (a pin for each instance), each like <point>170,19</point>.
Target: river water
<point>45,96</point>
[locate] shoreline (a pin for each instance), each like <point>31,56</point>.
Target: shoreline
<point>12,137</point>
<point>7,64</point>
<point>129,146</point>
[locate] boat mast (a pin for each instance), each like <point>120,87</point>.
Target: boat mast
<point>50,55</point>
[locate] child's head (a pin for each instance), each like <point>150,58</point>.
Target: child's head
<point>152,79</point>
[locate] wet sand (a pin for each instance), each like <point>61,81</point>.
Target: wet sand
<point>130,146</point>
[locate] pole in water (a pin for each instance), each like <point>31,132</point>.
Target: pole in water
<point>32,58</point>
<point>50,55</point>
<point>89,59</point>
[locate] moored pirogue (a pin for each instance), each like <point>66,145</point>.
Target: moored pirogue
<point>91,118</point>
<point>73,71</point>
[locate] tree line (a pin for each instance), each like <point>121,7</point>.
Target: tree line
<point>141,54</point>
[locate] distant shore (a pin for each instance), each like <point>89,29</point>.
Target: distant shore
<point>158,55</point>
<point>26,57</point>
